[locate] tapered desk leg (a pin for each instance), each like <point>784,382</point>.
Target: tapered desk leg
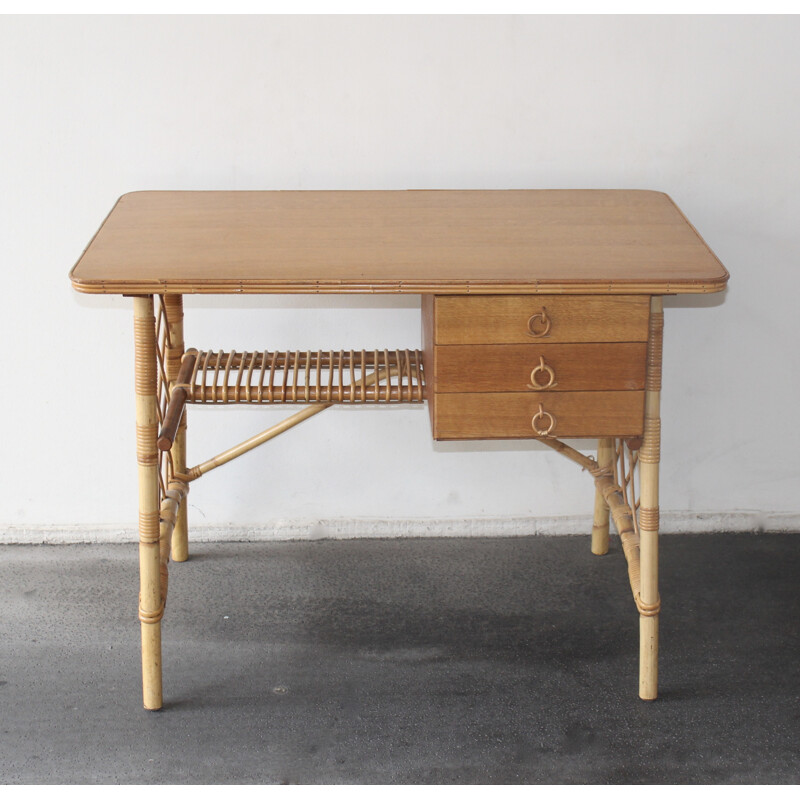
<point>173,304</point>
<point>605,456</point>
<point>649,457</point>
<point>151,607</point>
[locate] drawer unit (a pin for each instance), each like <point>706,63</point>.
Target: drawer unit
<point>510,367</point>
<point>519,319</point>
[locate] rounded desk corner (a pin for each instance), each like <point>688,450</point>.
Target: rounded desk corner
<point>85,287</point>
<point>125,196</point>
<point>721,283</point>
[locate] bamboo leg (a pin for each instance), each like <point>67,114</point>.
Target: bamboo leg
<point>605,450</point>
<point>150,602</point>
<point>175,350</point>
<point>649,456</point>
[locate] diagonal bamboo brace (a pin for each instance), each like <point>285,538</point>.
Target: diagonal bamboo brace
<point>254,441</point>
<point>270,433</point>
<point>620,511</point>
<point>168,516</point>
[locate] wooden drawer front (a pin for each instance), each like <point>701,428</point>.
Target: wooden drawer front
<point>509,415</point>
<point>546,367</point>
<point>520,319</point>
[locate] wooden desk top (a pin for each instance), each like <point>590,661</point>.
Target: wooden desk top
<point>416,242</point>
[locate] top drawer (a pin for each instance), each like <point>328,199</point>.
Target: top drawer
<point>516,319</point>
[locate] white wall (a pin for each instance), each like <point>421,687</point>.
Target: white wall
<point>704,108</point>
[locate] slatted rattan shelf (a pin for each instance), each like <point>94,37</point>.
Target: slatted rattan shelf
<point>321,376</point>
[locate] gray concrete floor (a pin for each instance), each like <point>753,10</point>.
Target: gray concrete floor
<point>403,661</point>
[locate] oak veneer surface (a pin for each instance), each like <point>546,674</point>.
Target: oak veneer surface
<point>508,368</point>
<point>447,242</point>
<point>509,415</point>
<point>505,320</point>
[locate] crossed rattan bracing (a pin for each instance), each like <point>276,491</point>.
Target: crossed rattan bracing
<point>619,496</point>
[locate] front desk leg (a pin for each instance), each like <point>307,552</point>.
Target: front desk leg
<point>649,602</point>
<point>151,607</point>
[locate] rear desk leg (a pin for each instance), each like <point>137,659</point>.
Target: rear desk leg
<point>173,304</point>
<point>649,456</point>
<point>605,450</point>
<point>151,607</point>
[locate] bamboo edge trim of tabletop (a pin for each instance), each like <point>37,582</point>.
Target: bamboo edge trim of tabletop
<point>390,287</point>
<point>409,242</point>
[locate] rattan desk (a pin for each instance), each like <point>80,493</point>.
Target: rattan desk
<point>555,294</point>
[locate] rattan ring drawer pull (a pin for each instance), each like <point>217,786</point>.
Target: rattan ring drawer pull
<point>542,367</point>
<point>539,324</point>
<point>540,415</point>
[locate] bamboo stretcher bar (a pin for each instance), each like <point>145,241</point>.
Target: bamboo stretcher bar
<point>307,377</point>
<point>254,441</point>
<point>275,430</point>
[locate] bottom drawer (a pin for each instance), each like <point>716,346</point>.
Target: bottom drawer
<point>513,415</point>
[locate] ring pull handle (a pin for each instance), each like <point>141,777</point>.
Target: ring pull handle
<point>549,377</point>
<point>539,324</point>
<point>540,429</point>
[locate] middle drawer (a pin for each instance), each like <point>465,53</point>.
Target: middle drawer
<point>539,367</point>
